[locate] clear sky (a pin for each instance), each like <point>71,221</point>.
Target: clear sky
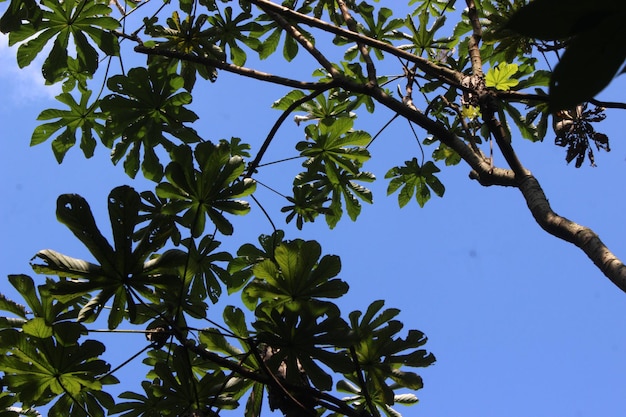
<point>522,324</point>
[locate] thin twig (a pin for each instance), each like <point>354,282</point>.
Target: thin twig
<point>365,53</point>
<point>264,212</point>
<point>270,136</point>
<point>394,117</point>
<point>127,361</point>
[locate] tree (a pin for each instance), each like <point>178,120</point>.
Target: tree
<point>294,344</point>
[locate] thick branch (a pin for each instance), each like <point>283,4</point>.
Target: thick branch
<point>581,236</point>
<point>554,224</point>
<point>538,204</point>
<point>487,106</point>
<point>481,167</point>
<point>474,40</point>
<point>246,72</point>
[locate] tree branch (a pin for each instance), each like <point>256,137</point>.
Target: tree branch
<point>443,73</point>
<point>608,104</point>
<point>571,232</point>
<point>235,69</point>
<point>481,167</point>
<point>474,40</point>
<point>302,40</point>
<point>365,53</point>
<point>536,199</point>
<point>487,106</point>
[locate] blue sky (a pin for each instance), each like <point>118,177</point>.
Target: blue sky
<point>521,323</point>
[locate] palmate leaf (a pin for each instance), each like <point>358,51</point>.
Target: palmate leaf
<point>335,107</point>
<point>434,7</point>
<point>335,154</point>
<point>295,279</point>
<point>81,117</point>
<point>232,31</point>
<point>298,339</point>
<point>38,370</point>
<point>248,255</point>
<point>343,190</point>
<point>145,107</point>
<point>382,354</point>
<point>334,144</point>
<point>306,204</point>
<point>122,271</point>
<point>62,21</point>
<point>422,36</point>
<point>95,402</point>
<point>360,402</point>
<point>188,36</point>
<point>182,389</point>
<point>206,192</point>
<point>202,271</point>
<point>501,76</point>
<point>380,28</point>
<point>48,315</point>
<point>413,179</point>
<point>268,46</point>
<point>140,405</point>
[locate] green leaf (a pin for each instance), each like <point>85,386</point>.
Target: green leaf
<point>208,191</point>
<point>61,21</point>
<point>146,109</point>
<point>381,354</point>
<point>248,256</point>
<point>202,272</point>
<point>81,118</point>
<point>26,287</point>
<point>18,12</point>
<point>413,179</point>
<point>38,327</point>
<point>232,32</point>
<point>501,76</point>
<point>235,320</point>
<point>40,370</point>
<point>12,307</point>
<point>121,268</point>
<point>296,279</point>
<point>298,340</point>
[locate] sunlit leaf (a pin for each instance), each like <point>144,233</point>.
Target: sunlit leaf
<point>501,76</point>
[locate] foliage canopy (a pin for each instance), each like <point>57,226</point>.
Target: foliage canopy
<point>128,77</point>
